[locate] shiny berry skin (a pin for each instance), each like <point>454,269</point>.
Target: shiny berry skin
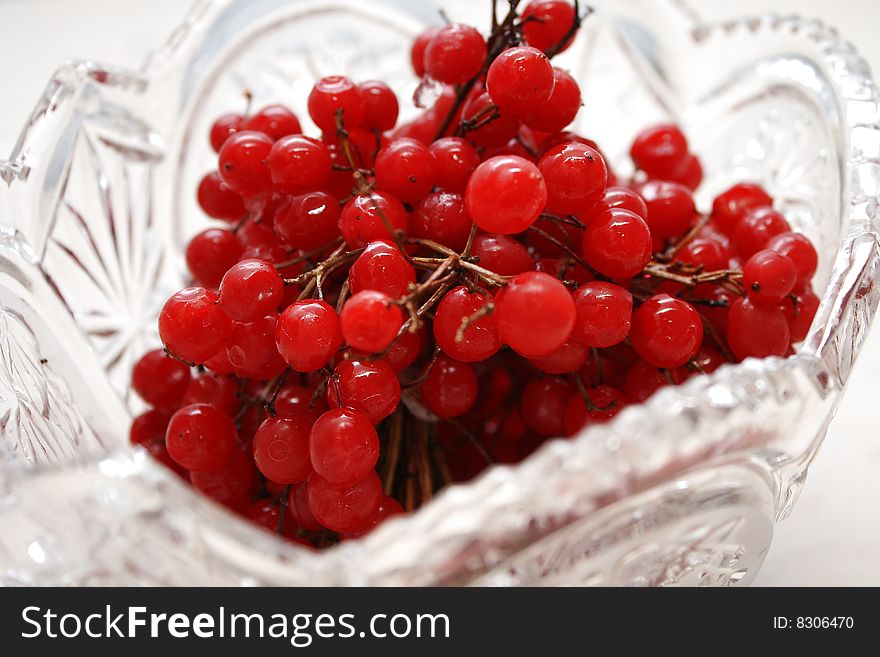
<point>442,217</point>
<point>298,507</point>
<point>479,340</point>
<point>604,314</point>
<point>543,405</point>
<point>244,163</point>
<point>299,163</point>
<point>455,54</point>
<point>274,121</point>
<point>332,93</point>
<point>502,254</point>
<point>617,243</point>
<point>690,174</point>
<point>560,109</point>
<point>250,289</point>
<point>454,161</point>
<point>505,195</point>
<point>666,332</point>
<point>405,169</point>
<point>547,22</point>
<point>800,314</point>
<point>576,178</point>
<point>220,391</point>
<point>308,221</point>
<point>671,209</point>
<point>219,363</point>
<point>369,387</point>
<point>729,208</point>
<point>370,321</point>
<point>380,105</point>
<point>344,446</point>
<point>660,151</point>
<point>308,334</point>
<point>644,379</point>
<point>800,250</point>
<point>569,357</point>
<point>607,400</point>
<point>192,326</point>
<point>417,52</point>
<point>211,253</point>
<point>251,349</point>
<point>707,252</point>
<point>382,268</point>
<point>160,380</point>
<point>345,508</point>
<point>298,400</point>
<point>520,80</point>
<point>757,331</point>
<point>491,134</point>
<point>218,201</point>
<point>404,351</point>
<point>768,277</point>
<point>200,437</point>
<point>231,485</point>
<point>757,228</point>
<point>534,314</point>
<point>281,448</point>
<point>361,219</point>
<point>149,427</point>
<point>622,198</point>
<point>224,127</point>
<point>450,389</point>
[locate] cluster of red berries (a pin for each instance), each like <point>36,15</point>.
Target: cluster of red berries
<point>393,307</point>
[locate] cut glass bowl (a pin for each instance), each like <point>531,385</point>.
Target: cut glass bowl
<point>97,200</point>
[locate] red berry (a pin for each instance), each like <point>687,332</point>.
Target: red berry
<point>660,151</point>
<point>361,219</point>
<point>251,349</point>
<point>298,507</point>
<point>607,401</point>
<point>211,253</point>
<point>370,321</point>
<point>381,268</point>
<point>768,277</point>
<point>706,251</point>
<point>535,314</point>
<point>298,400</point>
<point>251,289</point>
<point>561,108</point>
<point>520,80</point>
<point>570,357</point>
<point>497,132</point>
<point>450,389</point>
<point>244,163</point>
<point>455,54</point>
<point>502,254</point>
<point>417,53</point>
<point>200,437</point>
<point>799,313</point>
<point>345,508</point>
<point>800,250</point>
<point>332,94</point>
<point>757,228</point>
<point>160,380</point>
<point>731,206</point>
<point>405,169</point>
<point>644,379</point>
<point>308,334</point>
<point>274,121</point>
<point>622,198</point>
<point>404,351</point>
<point>149,428</point>
<point>344,446</point>
<point>547,22</point>
<point>505,195</point>
<point>218,201</point>
<point>454,161</point>
<point>281,448</point>
<point>380,105</point>
<point>543,405</point>
<point>369,387</point>
<point>666,332</point>
<point>690,174</point>
<point>309,221</point>
<point>479,340</point>
<point>192,326</point>
<point>231,485</point>
<point>220,391</point>
<point>224,127</point>
<point>617,243</point>
<point>299,163</point>
<point>671,209</point>
<point>604,314</point>
<point>756,330</point>
<point>576,178</point>
<point>441,217</point>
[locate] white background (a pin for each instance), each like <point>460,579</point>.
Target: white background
<point>833,536</point>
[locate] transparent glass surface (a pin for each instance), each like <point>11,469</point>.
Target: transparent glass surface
<point>97,200</point>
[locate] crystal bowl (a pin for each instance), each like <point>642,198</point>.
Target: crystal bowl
<point>97,200</point>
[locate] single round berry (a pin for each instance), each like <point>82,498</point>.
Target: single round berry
<point>404,351</point>
<point>505,195</point>
<point>520,80</point>
<point>799,313</point>
<point>299,163</point>
<point>543,405</point>
<point>502,254</point>
<point>160,380</point>
<point>671,209</point>
<point>622,198</point>
<point>381,268</point>
<point>244,163</point>
<point>547,22</point>
<point>308,334</point>
<point>344,446</point>
<point>455,54</point>
<point>604,314</point>
<point>690,174</point>
<point>295,399</point>
<point>417,52</point>
<point>308,221</point>
<point>223,128</point>
<point>488,127</point>
<point>332,94</point>
<point>757,330</point>
<point>644,379</point>
<point>232,485</point>
<point>560,109</point>
<point>211,253</point>
<point>218,201</point>
<point>345,508</point>
<point>370,387</point>
<point>251,289</point>
<point>274,121</point>
<point>800,250</point>
<point>200,437</point>
<point>757,228</point>
<point>768,277</point>
<point>361,220</point>
<point>570,357</point>
<point>281,449</point>
<point>617,243</point>
<point>450,388</point>
<point>660,151</point>
<point>706,251</point>
<point>220,391</point>
<point>666,332</point>
<point>729,208</point>
<point>370,321</point>
<point>534,314</point>
<point>442,218</point>
<point>251,349</point>
<point>463,327</point>
<point>605,403</point>
<point>192,326</point>
<point>405,169</point>
<point>454,161</point>
<point>149,427</point>
<point>380,105</point>
<point>576,178</point>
